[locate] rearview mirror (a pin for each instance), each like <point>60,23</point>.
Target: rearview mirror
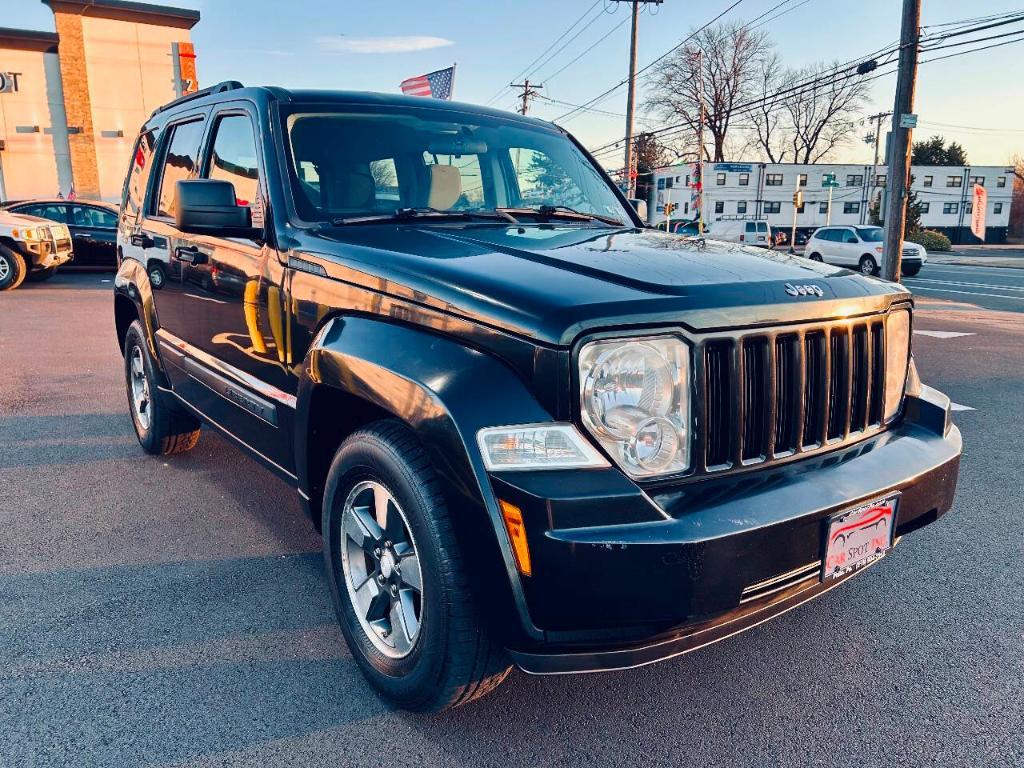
<point>209,207</point>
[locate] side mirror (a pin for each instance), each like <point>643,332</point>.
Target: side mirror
<point>640,206</point>
<point>209,207</point>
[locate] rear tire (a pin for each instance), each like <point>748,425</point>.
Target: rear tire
<point>161,426</point>
<point>815,257</point>
<point>13,269</point>
<point>41,275</point>
<point>868,265</point>
<point>421,649</point>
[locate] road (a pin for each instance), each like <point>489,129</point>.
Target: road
<point>159,612</point>
<point>999,288</point>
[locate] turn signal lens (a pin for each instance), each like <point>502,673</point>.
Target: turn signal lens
<point>537,446</point>
<point>513,518</point>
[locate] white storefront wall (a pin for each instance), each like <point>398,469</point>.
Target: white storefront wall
<point>765,190</point>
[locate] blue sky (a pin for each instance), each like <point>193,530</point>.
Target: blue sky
<point>373,46</point>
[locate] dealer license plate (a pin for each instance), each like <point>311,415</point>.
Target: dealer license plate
<point>858,537</point>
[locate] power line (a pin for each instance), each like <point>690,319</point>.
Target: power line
<point>558,39</point>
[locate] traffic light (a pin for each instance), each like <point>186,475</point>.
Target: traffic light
<point>670,208</point>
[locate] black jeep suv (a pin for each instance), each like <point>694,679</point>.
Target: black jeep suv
<point>531,430</point>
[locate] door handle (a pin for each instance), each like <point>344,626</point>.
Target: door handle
<point>141,240</point>
<point>190,255</point>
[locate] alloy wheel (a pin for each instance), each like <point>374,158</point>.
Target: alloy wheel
<point>5,269</point>
<point>141,400</point>
<point>381,569</point>
<point>867,266</point>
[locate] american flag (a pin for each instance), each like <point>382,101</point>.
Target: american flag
<point>435,84</point>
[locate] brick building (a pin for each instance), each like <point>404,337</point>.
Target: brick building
<point>72,100</point>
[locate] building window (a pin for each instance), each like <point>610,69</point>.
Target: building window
<point>1001,181</point>
<point>772,206</point>
<point>923,207</point>
<point>687,179</point>
<point>954,181</point>
<point>741,206</point>
<point>880,180</point>
<point>979,180</point>
<point>950,208</point>
<point>686,207</point>
<point>851,207</point>
<point>855,180</point>
<point>745,179</point>
<point>661,183</point>
<point>997,208</point>
<point>803,179</point>
<point>773,180</point>
<point>720,180</point>
<point>719,206</point>
<point>800,208</point>
<point>822,207</point>
<point>928,180</point>
<point>969,207</point>
<point>668,183</point>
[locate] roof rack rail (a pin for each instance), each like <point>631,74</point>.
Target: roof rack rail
<point>227,85</point>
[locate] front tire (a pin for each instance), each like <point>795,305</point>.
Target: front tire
<point>911,270</point>
<point>868,265</point>
<point>13,269</point>
<point>161,427</point>
<point>397,578</point>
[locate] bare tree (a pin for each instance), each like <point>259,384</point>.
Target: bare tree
<point>727,68</point>
<point>820,108</point>
<point>770,132</point>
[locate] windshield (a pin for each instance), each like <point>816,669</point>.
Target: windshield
<point>356,164</point>
<point>870,234</point>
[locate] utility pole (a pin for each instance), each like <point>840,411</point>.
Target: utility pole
<point>631,95</point>
<point>700,142</point>
<point>878,130</point>
<point>529,91</point>
<point>899,156</point>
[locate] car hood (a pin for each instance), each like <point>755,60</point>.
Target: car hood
<point>553,282</point>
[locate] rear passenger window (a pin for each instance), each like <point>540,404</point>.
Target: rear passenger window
<point>751,227</point>
<point>234,160</point>
<point>180,163</point>
<point>134,191</point>
<point>762,226</point>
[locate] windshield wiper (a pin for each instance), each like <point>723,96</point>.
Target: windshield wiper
<point>405,214</point>
<point>562,212</point>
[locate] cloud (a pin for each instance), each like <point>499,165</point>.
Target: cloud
<point>397,44</point>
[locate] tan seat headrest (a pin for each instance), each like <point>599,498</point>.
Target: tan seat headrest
<point>445,186</point>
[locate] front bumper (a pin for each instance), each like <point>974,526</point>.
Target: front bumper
<point>709,559</point>
<point>44,255</point>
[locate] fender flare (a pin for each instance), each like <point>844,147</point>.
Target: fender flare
<point>445,391</point>
<point>132,282</point>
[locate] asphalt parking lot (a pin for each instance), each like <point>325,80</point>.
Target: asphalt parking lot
<point>174,612</point>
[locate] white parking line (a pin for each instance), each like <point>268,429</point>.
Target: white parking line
<point>915,280</point>
<point>968,293</point>
<point>958,407</point>
<point>942,334</point>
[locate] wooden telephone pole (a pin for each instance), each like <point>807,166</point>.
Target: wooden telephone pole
<point>529,91</point>
<point>902,134</point>
<point>631,95</point>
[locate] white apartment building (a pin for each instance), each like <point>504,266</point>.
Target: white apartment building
<point>765,191</point>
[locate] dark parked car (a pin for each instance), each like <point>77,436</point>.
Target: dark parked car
<point>530,430</point>
<point>93,228</point>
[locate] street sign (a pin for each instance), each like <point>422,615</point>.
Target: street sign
<point>978,213</point>
<point>908,120</point>
<point>828,181</point>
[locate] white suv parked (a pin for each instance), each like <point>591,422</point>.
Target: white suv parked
<point>860,247</point>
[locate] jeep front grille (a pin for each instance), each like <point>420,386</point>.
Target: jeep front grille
<point>770,395</point>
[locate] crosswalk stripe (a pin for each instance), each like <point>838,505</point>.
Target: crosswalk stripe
<point>943,334</point>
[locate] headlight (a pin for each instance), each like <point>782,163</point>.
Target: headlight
<point>897,352</point>
<point>537,446</point>
<point>635,401</point>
